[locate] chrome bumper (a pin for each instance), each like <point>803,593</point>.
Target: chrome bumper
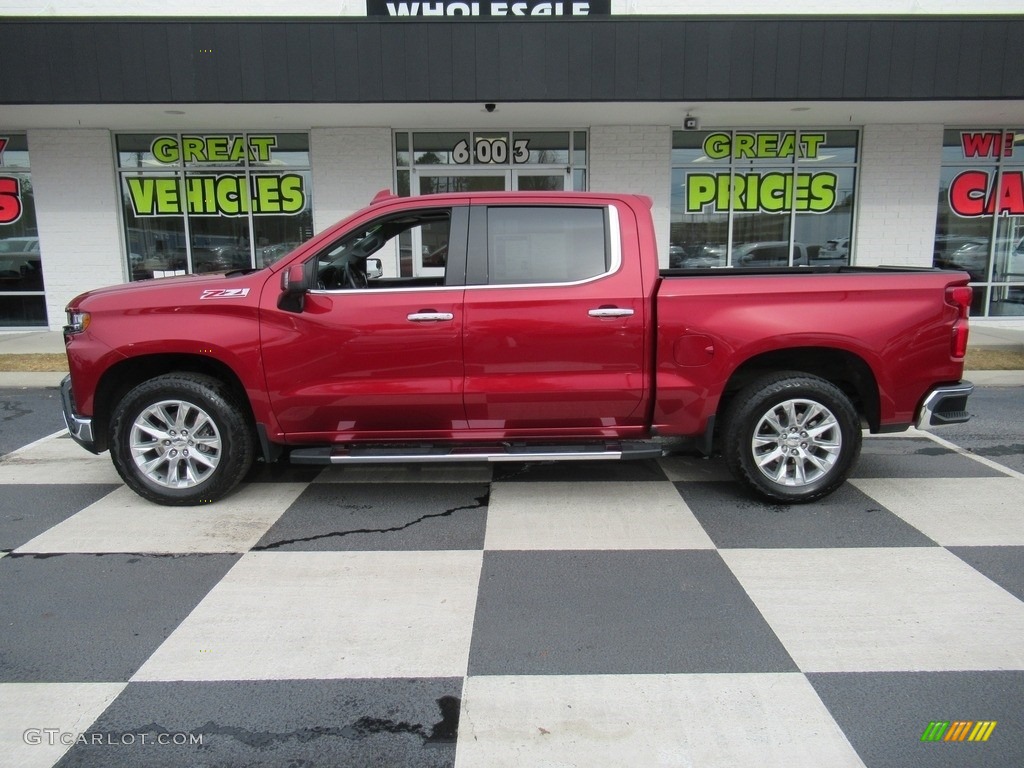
<point>945,405</point>
<point>79,427</point>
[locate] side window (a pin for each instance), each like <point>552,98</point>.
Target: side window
<point>380,254</point>
<point>545,244</point>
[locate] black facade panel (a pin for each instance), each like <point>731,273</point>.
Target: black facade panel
<point>833,56</point>
<point>594,77</point>
<point>300,62</point>
<point>109,64</point>
<point>879,56</point>
<point>626,77</point>
<point>695,63</point>
<point>634,58</point>
<point>555,57</point>
<point>855,63</point>
<point>346,64</point>
<point>811,55</point>
<point>901,68</point>
<point>787,64</point>
<point>764,50</point>
<point>394,67</point>
<point>177,55</point>
<point>926,54</point>
<point>993,46</point>
<point>441,72</point>
<point>741,48</point>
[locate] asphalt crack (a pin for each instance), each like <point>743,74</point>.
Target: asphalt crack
<point>479,502</point>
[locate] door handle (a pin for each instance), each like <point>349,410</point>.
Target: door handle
<point>427,316</point>
<point>610,312</point>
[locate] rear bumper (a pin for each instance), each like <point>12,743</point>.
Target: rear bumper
<point>945,405</point>
<point>79,427</point>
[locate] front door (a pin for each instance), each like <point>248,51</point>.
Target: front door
<point>372,357</point>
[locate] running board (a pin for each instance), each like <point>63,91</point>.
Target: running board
<point>419,454</point>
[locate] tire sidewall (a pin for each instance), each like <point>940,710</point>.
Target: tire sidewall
<point>213,398</point>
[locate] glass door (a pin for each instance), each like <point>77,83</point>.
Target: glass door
<point>424,259</point>
<point>541,181</point>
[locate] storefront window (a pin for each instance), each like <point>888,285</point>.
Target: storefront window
<point>213,202</point>
<point>980,227</point>
<point>22,300</point>
<point>762,198</point>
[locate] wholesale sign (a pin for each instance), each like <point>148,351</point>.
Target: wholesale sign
<point>216,194</point>
<point>762,190</point>
<point>513,8</point>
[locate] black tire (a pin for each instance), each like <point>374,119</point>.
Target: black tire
<point>791,437</point>
<point>181,439</point>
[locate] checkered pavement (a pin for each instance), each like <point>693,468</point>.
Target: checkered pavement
<point>574,614</point>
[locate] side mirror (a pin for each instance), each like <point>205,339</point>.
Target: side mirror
<point>295,284</point>
<point>374,269</point>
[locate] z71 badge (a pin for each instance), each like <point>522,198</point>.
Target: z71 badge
<point>224,293</point>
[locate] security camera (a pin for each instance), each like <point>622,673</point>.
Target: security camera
<point>490,107</point>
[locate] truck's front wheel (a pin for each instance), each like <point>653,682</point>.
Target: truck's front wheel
<point>792,437</point>
<point>181,439</point>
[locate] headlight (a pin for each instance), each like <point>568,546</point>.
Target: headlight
<point>77,321</point>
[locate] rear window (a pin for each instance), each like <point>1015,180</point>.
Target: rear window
<point>546,244</point>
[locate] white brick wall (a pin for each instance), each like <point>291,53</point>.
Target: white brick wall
<point>75,187</point>
<point>350,166</point>
<point>898,195</point>
<point>635,159</point>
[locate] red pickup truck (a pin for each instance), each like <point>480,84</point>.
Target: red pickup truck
<point>530,326</point>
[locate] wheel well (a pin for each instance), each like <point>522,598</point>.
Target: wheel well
<point>124,376</point>
<point>843,369</point>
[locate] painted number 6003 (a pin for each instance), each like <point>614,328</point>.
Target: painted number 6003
<point>491,151</point>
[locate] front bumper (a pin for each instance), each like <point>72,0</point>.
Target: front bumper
<point>945,405</point>
<point>79,427</point>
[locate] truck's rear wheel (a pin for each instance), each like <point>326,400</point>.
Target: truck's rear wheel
<point>791,437</point>
<point>181,439</point>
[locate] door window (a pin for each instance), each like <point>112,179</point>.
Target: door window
<point>381,254</point>
<point>545,245</point>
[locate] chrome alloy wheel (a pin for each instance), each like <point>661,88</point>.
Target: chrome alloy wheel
<point>797,442</point>
<point>175,444</point>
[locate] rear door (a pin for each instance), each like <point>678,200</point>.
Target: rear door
<point>554,322</point>
<point>374,357</point>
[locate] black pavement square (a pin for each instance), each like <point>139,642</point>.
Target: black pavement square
<point>86,618</point>
<point>29,510</point>
<point>617,612</point>
<point>275,723</point>
<point>886,714</point>
<point>916,457</point>
<point>847,518</point>
<point>579,471</point>
<point>382,516</point>
<point>1004,565</point>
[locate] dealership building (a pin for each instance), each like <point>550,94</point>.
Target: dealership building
<point>150,139</point>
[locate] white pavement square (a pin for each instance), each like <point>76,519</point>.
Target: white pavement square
<point>611,515</point>
<point>712,721</point>
<point>300,615</point>
<point>861,610</point>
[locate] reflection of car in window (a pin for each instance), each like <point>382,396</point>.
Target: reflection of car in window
<point>20,272</point>
<point>836,249</point>
<point>19,245</point>
<point>973,257</point>
<point>769,254</point>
